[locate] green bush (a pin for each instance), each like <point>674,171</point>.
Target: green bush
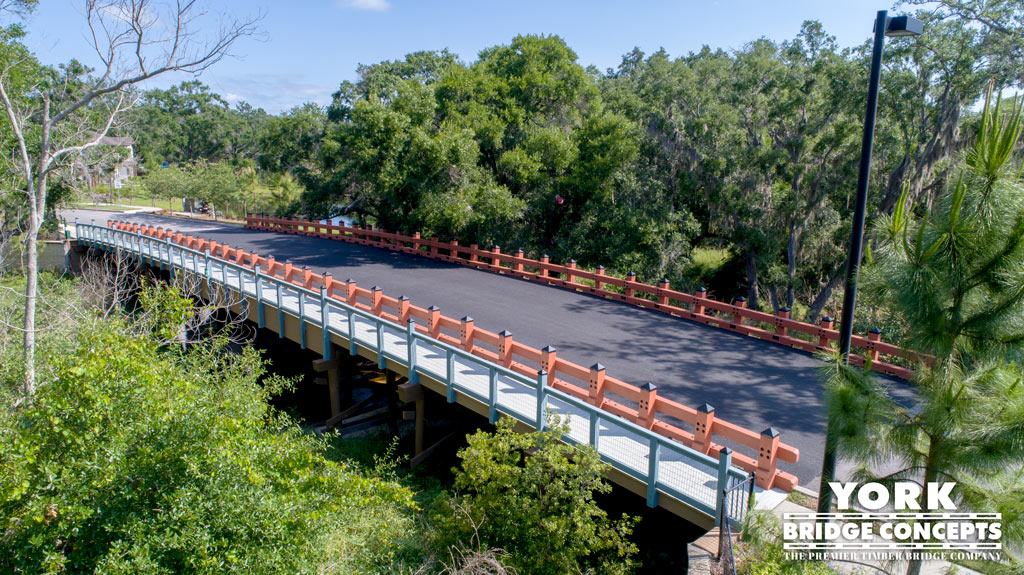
<point>761,552</point>
<point>532,496</point>
<point>138,458</point>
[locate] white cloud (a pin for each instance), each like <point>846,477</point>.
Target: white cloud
<point>370,5</point>
<point>232,97</point>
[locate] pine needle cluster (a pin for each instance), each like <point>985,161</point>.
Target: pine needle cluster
<point>954,275</point>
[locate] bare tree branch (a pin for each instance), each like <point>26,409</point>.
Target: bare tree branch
<point>175,60</point>
<point>133,46</point>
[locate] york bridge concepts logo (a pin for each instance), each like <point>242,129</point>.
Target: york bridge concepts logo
<point>874,523</point>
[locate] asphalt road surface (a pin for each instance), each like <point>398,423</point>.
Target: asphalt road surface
<point>750,382</point>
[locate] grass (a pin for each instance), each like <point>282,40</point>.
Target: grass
<point>102,207</point>
<point>704,262</point>
<point>803,500</point>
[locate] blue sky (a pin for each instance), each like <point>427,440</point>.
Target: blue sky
<point>309,46</point>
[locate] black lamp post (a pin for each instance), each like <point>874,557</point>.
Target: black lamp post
<point>884,26</point>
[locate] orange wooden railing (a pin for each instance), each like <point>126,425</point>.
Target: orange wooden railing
<point>642,405</point>
<point>697,306</point>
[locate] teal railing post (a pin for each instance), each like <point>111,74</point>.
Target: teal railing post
<point>450,372</point>
<point>724,462</point>
<point>280,308</point>
<point>653,459</point>
<point>595,428</point>
<point>352,333</point>
<point>325,323</point>
<point>302,318</point>
<point>260,307</point>
<point>170,256</point>
<point>381,362</point>
<point>492,394</point>
<point>542,398</point>
<point>410,335</point>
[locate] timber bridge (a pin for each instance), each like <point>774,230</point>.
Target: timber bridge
<point>699,350</point>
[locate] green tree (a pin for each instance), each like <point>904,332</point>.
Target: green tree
<point>953,274</point>
<point>189,122</point>
<point>292,140</point>
<point>409,173</point>
<point>217,184</point>
<point>72,110</point>
<point>516,147</point>
<point>755,145</point>
<point>533,497</point>
<point>22,71</point>
<point>170,183</point>
<point>138,457</point>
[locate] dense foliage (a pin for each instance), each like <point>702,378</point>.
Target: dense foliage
<point>137,457</point>
<point>532,496</point>
<point>748,154</point>
<point>752,153</point>
<point>140,454</point>
<point>955,274</point>
<point>760,550</point>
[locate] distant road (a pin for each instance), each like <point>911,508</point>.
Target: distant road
<point>750,382</point>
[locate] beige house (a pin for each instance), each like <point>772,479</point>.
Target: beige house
<point>111,162</point>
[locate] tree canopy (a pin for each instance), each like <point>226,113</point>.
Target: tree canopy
<point>750,153</point>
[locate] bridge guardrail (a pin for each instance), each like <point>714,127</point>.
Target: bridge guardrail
<point>670,467</point>
<point>737,500</point>
<point>697,307</point>
<point>641,406</point>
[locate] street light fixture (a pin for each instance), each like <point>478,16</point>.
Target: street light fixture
<point>895,27</point>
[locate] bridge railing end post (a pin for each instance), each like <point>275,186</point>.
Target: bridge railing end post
<point>722,485</point>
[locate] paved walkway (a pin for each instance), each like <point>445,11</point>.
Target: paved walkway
<point>750,382</point>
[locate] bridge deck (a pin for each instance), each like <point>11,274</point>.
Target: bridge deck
<point>750,382</point>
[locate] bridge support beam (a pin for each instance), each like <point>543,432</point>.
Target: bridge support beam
<point>413,392</point>
<point>333,369</point>
<point>394,412</point>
